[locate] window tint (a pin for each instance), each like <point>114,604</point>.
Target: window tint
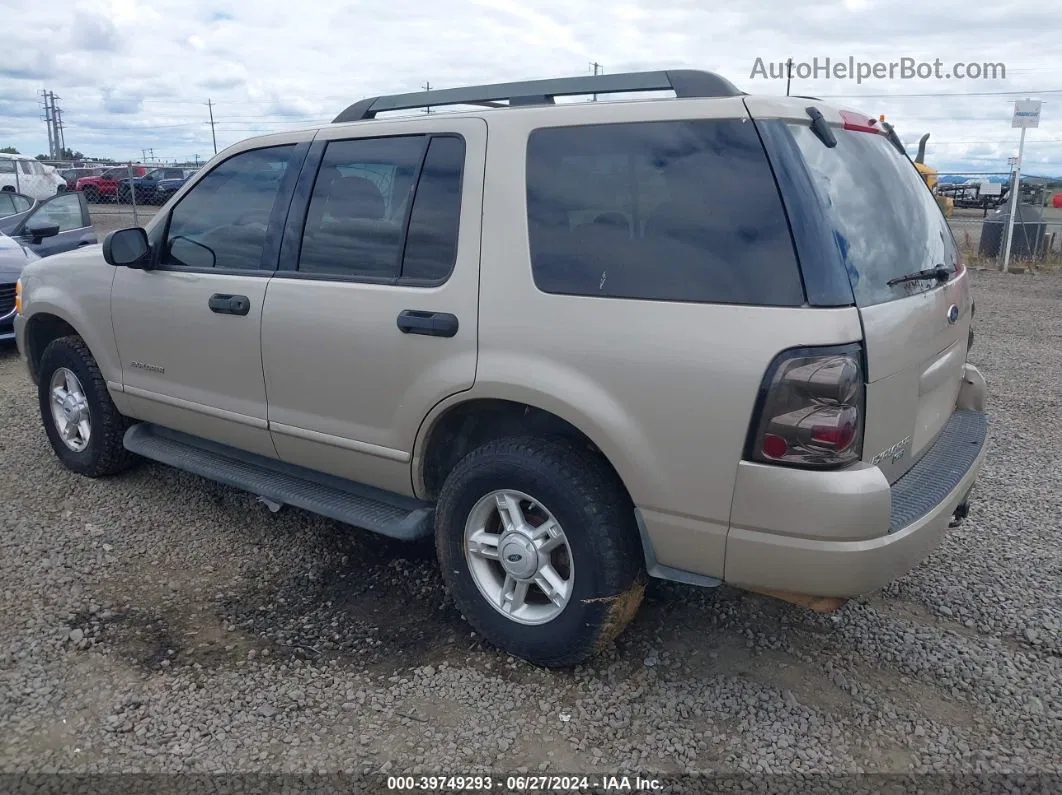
<point>115,173</point>
<point>22,203</point>
<point>7,166</point>
<point>681,211</point>
<point>885,221</point>
<point>7,206</point>
<point>358,207</point>
<point>64,210</point>
<point>431,243</point>
<point>222,221</point>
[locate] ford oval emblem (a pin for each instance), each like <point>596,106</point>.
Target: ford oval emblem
<point>953,313</point>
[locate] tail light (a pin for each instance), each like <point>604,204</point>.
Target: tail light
<point>811,409</point>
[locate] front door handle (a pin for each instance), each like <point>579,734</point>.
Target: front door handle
<point>225,304</point>
<point>432,324</point>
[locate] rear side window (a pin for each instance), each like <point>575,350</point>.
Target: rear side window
<point>885,221</point>
<point>431,243</point>
<point>7,166</point>
<point>678,211</point>
<point>358,208</point>
<point>385,209</point>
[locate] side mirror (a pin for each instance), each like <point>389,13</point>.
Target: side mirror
<point>37,232</point>
<point>126,247</point>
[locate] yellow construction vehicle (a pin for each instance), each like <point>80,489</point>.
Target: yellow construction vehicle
<point>930,175</point>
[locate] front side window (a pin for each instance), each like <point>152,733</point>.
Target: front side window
<point>26,167</point>
<point>222,222</point>
<point>676,211</point>
<point>64,210</point>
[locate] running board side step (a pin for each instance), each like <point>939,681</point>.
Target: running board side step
<point>277,483</point>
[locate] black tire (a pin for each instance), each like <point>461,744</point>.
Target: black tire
<point>92,196</point>
<point>588,501</point>
<point>104,454</point>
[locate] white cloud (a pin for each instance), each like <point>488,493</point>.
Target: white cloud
<point>134,74</point>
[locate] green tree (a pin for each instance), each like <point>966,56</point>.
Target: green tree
<point>9,150</point>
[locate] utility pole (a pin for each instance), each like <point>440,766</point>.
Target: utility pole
<point>210,106</point>
<point>427,87</point>
<point>57,134</point>
<point>62,133</point>
<point>788,75</point>
<point>595,66</point>
<point>47,118</point>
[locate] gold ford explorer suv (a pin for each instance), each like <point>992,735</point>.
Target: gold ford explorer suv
<point>710,338</point>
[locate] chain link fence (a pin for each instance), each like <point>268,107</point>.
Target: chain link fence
<point>124,193</point>
<point>978,205</point>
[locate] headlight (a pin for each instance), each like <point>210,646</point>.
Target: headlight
<point>18,296</point>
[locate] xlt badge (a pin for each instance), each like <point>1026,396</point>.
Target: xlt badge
<point>894,453</point>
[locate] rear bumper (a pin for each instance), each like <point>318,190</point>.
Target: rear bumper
<point>819,546</point>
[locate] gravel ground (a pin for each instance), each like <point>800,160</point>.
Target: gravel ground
<point>158,622</point>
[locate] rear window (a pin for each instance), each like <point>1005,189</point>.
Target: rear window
<point>885,220</point>
<point>677,211</point>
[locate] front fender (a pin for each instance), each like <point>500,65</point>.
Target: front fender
<point>75,287</point>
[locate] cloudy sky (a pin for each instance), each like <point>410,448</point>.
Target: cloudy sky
<point>134,75</point>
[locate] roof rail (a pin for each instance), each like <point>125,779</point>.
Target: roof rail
<point>684,82</point>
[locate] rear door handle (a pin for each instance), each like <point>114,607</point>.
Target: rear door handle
<point>432,324</point>
<point>229,304</point>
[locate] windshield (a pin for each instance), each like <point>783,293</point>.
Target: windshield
<point>885,220</point>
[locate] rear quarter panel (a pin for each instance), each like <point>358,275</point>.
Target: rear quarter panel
<point>664,389</point>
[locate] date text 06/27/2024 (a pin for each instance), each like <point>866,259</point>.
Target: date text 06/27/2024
<point>522,783</point>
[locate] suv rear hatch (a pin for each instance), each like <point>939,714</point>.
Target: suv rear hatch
<point>881,225</point>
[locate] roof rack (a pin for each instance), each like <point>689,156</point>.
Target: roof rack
<point>685,83</point>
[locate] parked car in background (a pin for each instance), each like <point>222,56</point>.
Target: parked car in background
<point>154,187</point>
<point>72,175</point>
<point>59,223</point>
<point>29,177</point>
<point>13,258</point>
<point>15,204</point>
<point>105,186</point>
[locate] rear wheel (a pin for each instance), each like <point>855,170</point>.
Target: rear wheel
<point>82,423</point>
<point>538,546</point>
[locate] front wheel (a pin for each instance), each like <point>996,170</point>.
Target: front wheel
<point>82,423</point>
<point>539,548</point>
